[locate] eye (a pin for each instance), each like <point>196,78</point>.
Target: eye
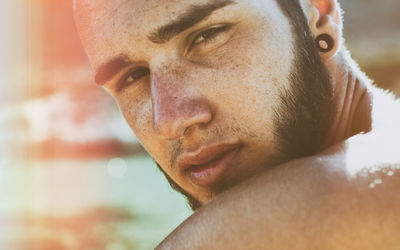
<point>208,34</point>
<point>133,77</point>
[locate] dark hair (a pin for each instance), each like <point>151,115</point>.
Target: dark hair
<point>190,200</point>
<point>294,12</point>
<point>308,107</point>
<point>306,112</point>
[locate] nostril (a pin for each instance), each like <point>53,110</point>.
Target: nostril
<point>172,129</point>
<point>199,119</point>
<point>188,130</point>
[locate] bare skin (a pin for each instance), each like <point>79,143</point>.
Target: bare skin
<point>342,198</point>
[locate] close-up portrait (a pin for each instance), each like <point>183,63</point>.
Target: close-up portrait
<point>199,124</point>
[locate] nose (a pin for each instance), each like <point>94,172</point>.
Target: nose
<point>177,106</point>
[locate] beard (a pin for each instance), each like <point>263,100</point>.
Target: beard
<point>305,111</point>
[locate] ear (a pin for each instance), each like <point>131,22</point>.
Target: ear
<point>325,18</point>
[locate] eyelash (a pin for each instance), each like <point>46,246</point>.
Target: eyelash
<point>140,72</point>
<point>208,34</point>
<point>136,75</point>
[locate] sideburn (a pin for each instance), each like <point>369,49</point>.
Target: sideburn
<point>306,112</point>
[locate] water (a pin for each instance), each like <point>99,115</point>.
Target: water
<point>65,188</point>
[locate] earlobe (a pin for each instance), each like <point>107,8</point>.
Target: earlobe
<point>326,26</point>
<point>324,43</point>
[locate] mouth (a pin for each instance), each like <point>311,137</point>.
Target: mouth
<point>207,165</point>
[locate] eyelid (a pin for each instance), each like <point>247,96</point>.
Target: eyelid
<point>121,81</point>
<point>192,37</point>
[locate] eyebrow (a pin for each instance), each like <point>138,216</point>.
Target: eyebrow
<point>110,68</point>
<point>163,34</point>
<point>192,16</point>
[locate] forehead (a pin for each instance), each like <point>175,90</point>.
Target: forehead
<point>115,15</point>
<point>127,12</point>
<point>106,26</point>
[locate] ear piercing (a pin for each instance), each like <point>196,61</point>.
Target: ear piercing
<point>324,43</point>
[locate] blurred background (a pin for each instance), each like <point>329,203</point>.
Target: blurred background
<point>72,174</point>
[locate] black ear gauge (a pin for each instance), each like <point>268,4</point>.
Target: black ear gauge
<point>324,43</point>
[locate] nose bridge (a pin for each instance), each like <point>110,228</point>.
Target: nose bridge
<point>177,104</point>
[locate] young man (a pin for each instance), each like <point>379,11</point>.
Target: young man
<point>255,112</point>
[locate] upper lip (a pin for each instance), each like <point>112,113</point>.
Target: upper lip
<point>206,154</point>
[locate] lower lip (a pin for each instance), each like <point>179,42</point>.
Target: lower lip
<point>212,172</point>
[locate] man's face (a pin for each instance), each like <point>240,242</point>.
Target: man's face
<point>199,82</point>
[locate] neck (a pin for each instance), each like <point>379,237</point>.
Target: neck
<point>352,99</point>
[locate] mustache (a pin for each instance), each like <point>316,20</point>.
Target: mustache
<point>210,135</point>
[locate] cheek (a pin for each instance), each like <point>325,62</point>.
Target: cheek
<point>250,79</point>
<point>137,110</point>
<point>134,107</point>
<point>254,76</point>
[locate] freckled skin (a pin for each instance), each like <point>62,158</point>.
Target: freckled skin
<point>197,94</point>
<point>228,88</point>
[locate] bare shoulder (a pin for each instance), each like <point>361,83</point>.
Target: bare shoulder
<point>344,198</point>
<point>369,161</point>
<point>364,179</point>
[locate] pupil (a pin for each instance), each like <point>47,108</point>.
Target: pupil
<point>209,33</point>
